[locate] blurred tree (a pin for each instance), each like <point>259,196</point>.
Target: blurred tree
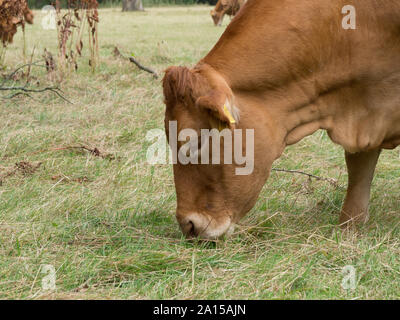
<point>132,5</point>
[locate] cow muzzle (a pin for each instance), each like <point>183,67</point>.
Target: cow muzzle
<point>202,226</point>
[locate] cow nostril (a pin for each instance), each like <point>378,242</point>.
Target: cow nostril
<point>191,226</point>
<point>191,229</point>
<point>188,228</point>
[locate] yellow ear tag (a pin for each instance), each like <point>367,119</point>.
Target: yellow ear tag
<point>229,115</point>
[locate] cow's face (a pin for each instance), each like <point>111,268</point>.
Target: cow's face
<point>211,197</point>
<point>217,17</point>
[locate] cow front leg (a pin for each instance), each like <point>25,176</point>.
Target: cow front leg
<point>361,168</point>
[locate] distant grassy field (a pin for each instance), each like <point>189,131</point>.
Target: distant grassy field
<point>107,225</point>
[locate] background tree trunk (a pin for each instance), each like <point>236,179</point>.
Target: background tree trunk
<point>132,5</point>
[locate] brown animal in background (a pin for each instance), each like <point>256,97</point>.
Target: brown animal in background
<point>288,68</point>
<point>229,7</point>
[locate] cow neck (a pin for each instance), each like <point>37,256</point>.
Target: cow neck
<point>305,110</point>
<point>294,111</point>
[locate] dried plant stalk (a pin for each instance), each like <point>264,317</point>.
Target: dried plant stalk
<point>70,28</point>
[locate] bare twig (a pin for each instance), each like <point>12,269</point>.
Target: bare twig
<point>137,63</point>
<point>55,90</point>
<point>330,180</point>
<point>25,90</point>
<point>20,94</point>
<point>11,75</point>
<point>118,53</point>
<point>94,151</point>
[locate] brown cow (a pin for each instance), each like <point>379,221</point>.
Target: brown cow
<point>288,68</point>
<point>229,7</point>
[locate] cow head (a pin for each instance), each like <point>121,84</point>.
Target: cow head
<point>211,197</point>
<point>217,17</point>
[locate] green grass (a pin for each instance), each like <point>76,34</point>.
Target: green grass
<point>114,234</point>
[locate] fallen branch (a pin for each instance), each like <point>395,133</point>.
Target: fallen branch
<point>14,72</point>
<point>133,60</point>
<point>330,180</point>
<point>68,179</point>
<point>26,91</point>
<point>94,151</point>
<point>118,53</point>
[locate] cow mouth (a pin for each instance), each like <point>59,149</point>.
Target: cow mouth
<point>205,227</point>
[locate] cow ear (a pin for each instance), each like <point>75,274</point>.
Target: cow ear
<point>220,107</point>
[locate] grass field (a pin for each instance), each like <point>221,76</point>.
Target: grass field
<point>107,225</point>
